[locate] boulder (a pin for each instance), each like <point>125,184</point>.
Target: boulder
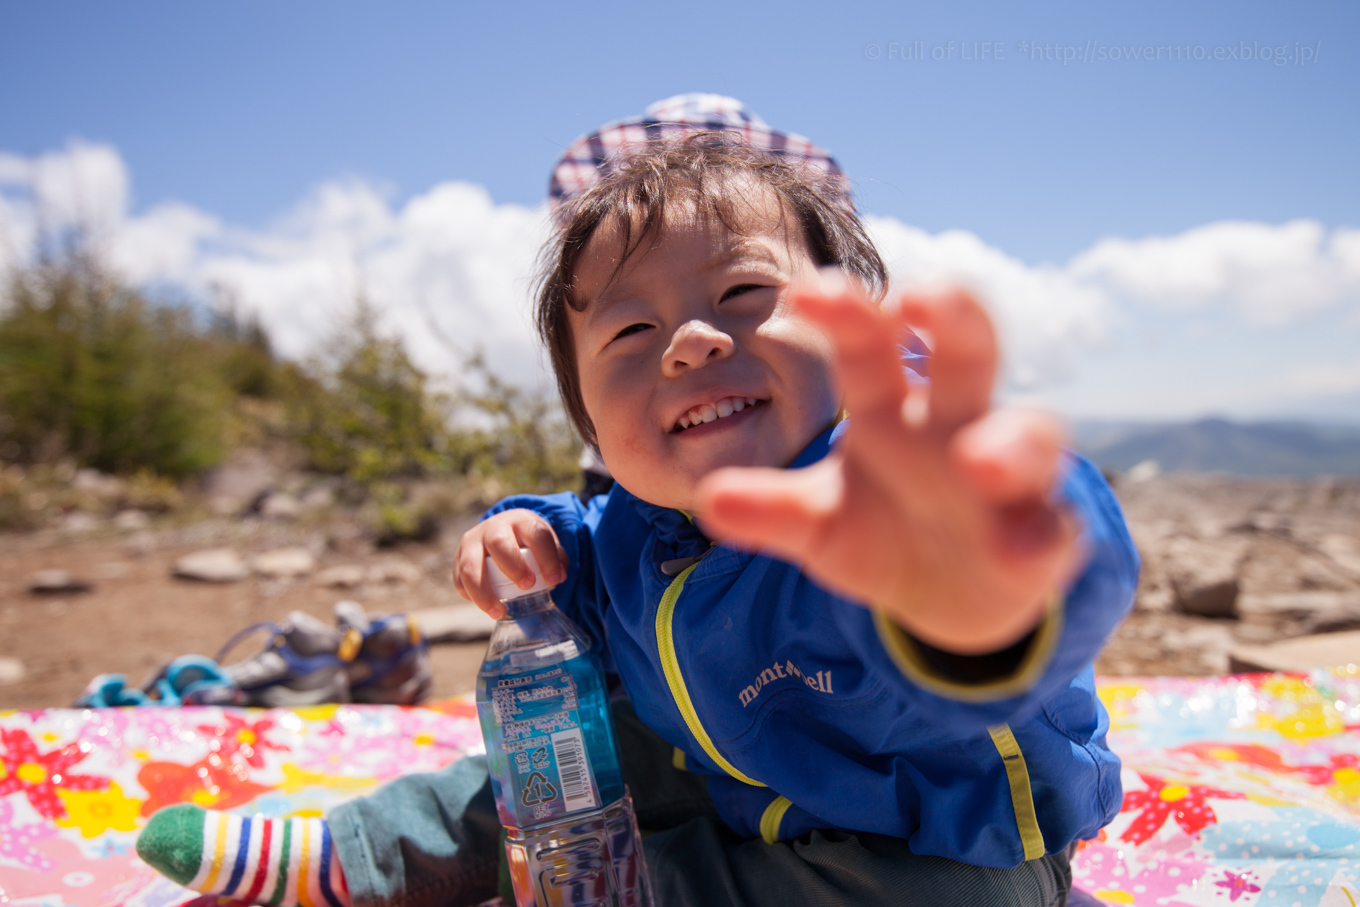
<point>1302,653</point>
<point>1317,610</point>
<point>1208,646</point>
<point>1143,471</point>
<point>247,475</point>
<point>280,506</point>
<point>394,571</point>
<point>1344,551</point>
<point>226,505</point>
<point>455,623</point>
<point>56,582</point>
<point>1204,575</point>
<point>284,563</point>
<point>1298,604</point>
<point>213,565</point>
<point>342,576</point>
<point>98,484</point>
<point>11,671</point>
<point>131,521</point>
<point>318,498</point>
<point>78,521</point>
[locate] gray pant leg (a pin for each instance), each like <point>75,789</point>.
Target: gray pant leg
<point>702,864</point>
<point>427,840</point>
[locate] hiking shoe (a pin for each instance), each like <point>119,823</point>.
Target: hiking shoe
<point>304,664</point>
<point>392,662</point>
<point>188,680</point>
<point>109,691</point>
<point>193,680</point>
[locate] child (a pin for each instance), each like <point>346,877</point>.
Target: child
<point>871,637</point>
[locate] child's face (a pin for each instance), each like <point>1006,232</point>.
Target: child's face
<point>694,326</point>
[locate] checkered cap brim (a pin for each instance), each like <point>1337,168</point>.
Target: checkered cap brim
<point>589,158</point>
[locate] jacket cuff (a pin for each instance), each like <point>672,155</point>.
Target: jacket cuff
<point>907,654</point>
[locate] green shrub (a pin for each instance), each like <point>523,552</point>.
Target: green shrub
<point>93,370</point>
<point>529,445</point>
<point>368,412</point>
<point>245,356</point>
<point>365,410</point>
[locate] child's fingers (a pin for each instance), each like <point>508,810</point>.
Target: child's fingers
<point>536,535</point>
<point>964,361</point>
<point>1010,455</point>
<point>502,546</point>
<point>784,511</point>
<point>865,339</point>
<point>469,577</point>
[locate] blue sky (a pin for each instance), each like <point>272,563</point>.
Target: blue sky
<point>242,110</point>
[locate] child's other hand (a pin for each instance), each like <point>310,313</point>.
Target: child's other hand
<point>501,536</point>
<point>933,508</point>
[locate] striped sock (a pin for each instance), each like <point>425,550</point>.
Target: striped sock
<point>278,862</point>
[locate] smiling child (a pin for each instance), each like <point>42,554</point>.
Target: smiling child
<point>854,605</point>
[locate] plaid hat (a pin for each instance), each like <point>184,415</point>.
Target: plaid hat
<point>592,156</point>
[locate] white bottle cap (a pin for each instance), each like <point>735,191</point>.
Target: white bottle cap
<point>505,587</point>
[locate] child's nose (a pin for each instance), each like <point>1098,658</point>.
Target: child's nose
<point>694,345</point>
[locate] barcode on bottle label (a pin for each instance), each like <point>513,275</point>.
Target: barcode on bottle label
<point>573,770</point>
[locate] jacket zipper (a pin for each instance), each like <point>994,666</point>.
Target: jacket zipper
<point>670,665</point>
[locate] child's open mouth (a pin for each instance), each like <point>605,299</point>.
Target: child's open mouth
<point>711,412</point>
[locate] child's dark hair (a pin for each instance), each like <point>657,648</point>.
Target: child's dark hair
<point>705,169</point>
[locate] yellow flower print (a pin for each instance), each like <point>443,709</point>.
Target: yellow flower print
<point>296,779</point>
<point>95,812</point>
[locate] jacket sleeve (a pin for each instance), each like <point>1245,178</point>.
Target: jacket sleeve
<point>573,522</point>
<point>1081,618</point>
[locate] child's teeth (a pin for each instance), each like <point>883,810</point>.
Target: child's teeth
<point>708,412</point>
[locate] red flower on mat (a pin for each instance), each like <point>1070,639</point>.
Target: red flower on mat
<point>1185,802</point>
<point>1264,757</point>
<point>234,736</point>
<point>1326,774</point>
<point>1237,885</point>
<point>212,782</point>
<point>38,775</point>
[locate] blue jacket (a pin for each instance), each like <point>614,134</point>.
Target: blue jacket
<point>805,710</point>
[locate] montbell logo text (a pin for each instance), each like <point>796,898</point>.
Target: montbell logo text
<point>820,681</point>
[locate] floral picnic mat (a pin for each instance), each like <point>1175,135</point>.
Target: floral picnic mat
<point>1240,790</point>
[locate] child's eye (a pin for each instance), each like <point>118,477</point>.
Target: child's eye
<point>739,289</point>
<point>631,329</point>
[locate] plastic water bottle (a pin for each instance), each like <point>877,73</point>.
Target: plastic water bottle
<point>571,835</point>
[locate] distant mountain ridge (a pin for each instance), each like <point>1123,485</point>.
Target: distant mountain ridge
<point>1218,445</point>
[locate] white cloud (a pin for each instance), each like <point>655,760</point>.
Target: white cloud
<point>1272,274</point>
<point>1041,311</point>
<point>449,257</point>
<point>162,244</point>
<point>1324,379</point>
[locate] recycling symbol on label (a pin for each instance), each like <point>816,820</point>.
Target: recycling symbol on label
<point>537,790</point>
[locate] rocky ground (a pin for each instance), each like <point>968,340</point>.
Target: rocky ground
<point>1234,565</point>
<point>1229,565</point>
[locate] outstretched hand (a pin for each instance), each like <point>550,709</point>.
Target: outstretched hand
<point>934,508</point>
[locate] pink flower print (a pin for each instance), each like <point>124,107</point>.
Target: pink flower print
<point>16,841</point>
<point>1237,885</point>
<point>233,737</point>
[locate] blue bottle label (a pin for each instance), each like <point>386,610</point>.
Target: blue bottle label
<point>540,722</point>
